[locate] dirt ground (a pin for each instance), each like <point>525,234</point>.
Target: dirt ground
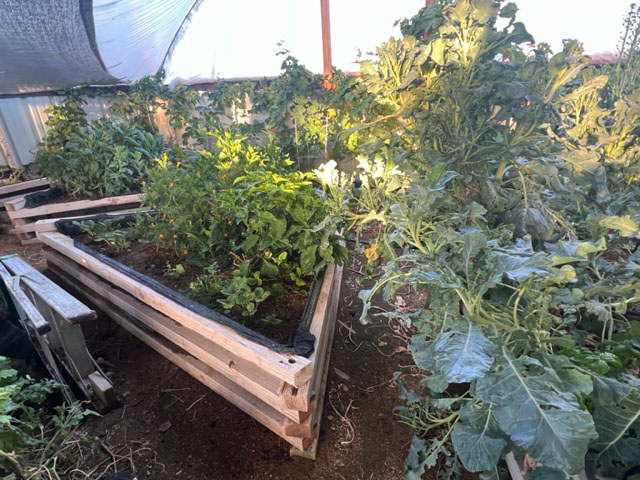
<point>170,426</point>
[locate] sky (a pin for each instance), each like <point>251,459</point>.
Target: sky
<point>240,38</point>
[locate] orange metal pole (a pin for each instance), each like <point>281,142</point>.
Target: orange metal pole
<point>326,42</point>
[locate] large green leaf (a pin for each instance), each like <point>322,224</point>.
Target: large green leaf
<point>532,405</point>
<point>520,260</point>
<point>308,259</point>
<point>463,353</point>
<point>476,439</point>
<point>617,449</point>
<point>423,352</point>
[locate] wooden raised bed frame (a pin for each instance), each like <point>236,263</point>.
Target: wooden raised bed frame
<point>282,391</point>
<point>24,219</point>
<point>15,191</point>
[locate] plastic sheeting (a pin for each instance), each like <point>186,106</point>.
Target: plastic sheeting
<point>53,44</point>
<point>22,121</point>
<point>133,36</point>
<point>47,44</point>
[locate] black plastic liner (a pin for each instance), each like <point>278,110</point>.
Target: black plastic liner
<point>32,200</point>
<point>303,342</point>
<point>69,227</point>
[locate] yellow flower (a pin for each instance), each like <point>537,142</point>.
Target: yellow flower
<point>371,253</point>
<point>143,182</point>
<point>171,184</point>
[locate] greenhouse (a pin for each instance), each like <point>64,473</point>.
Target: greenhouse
<point>346,240</point>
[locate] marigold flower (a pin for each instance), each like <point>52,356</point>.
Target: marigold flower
<point>143,182</point>
<point>185,251</point>
<point>161,235</point>
<point>229,222</point>
<point>197,174</point>
<point>175,235</point>
<point>225,234</point>
<point>171,184</point>
<point>171,220</point>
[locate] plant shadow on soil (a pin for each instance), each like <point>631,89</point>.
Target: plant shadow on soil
<point>208,438</point>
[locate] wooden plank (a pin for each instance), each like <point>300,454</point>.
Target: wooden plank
<point>514,468</point>
<point>16,204</point>
<point>49,224</point>
<point>217,382</point>
<point>258,383</point>
<point>322,327</point>
<point>310,427</point>
<point>102,388</point>
<point>5,200</point>
<point>28,241</point>
<point>292,369</point>
<point>22,186</point>
<point>70,309</point>
<point>15,212</point>
<point>37,321</point>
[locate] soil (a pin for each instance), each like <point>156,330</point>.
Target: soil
<point>287,308</point>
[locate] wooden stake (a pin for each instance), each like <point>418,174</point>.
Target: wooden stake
<point>326,43</point>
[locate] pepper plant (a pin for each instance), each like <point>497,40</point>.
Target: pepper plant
<point>238,212</point>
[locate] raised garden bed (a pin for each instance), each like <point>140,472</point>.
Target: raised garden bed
<point>24,213</point>
<point>274,383</point>
<point>13,192</point>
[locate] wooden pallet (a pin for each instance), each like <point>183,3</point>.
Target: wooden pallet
<point>282,391</point>
<point>16,191</point>
<point>24,219</point>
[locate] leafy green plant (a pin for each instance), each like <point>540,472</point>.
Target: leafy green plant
<point>236,213</point>
<point>32,443</point>
<point>106,157</point>
<point>528,277</point>
<point>107,231</point>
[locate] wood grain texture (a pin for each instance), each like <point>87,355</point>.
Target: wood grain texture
<point>259,383</point>
<point>217,382</point>
<point>17,210</point>
<point>23,186</point>
<point>70,309</point>
<point>321,327</point>
<point>292,369</point>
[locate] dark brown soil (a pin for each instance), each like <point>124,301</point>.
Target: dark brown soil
<point>287,308</point>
